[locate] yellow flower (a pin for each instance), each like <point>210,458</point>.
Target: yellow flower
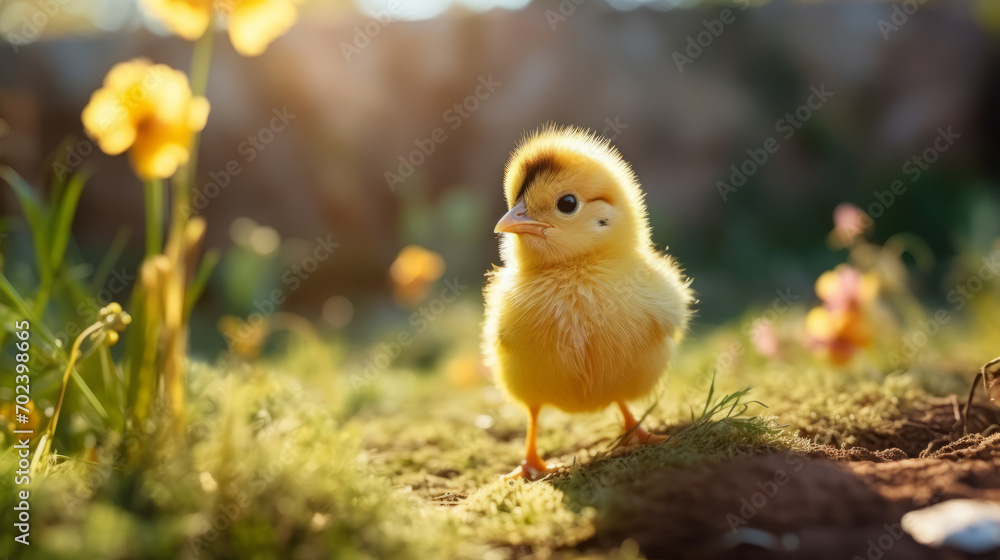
<point>115,320</point>
<point>840,326</point>
<point>413,272</point>
<point>11,416</point>
<point>245,338</point>
<point>839,333</point>
<point>253,24</point>
<point>187,18</point>
<point>147,109</point>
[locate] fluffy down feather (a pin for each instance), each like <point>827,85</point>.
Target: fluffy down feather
<point>588,312</point>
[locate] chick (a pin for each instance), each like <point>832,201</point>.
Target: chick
<point>585,311</point>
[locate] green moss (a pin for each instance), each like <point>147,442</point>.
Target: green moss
<point>287,461</point>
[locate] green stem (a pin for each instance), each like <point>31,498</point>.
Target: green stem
<point>201,61</point>
<point>154,217</point>
<point>74,355</point>
<point>50,430</point>
<point>181,198</point>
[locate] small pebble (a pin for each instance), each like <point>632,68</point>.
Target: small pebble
<point>969,525</point>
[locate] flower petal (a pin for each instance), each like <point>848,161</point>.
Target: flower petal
<point>106,121</point>
<point>186,18</point>
<point>198,114</point>
<point>255,24</point>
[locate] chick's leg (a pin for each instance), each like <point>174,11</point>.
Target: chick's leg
<point>637,435</point>
<point>532,466</point>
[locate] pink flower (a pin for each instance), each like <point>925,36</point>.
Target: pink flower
<point>765,339</point>
<point>849,224</point>
<point>845,288</point>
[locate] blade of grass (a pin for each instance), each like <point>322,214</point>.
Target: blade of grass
<point>22,308</point>
<point>140,362</point>
<point>89,395</point>
<point>113,385</point>
<point>62,222</point>
<point>711,393</point>
<point>31,204</point>
<point>37,215</point>
<point>109,259</point>
<point>197,286</point>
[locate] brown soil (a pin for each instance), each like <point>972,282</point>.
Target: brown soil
<point>842,503</point>
<point>929,427</point>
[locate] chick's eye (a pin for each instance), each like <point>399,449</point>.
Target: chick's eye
<point>567,204</point>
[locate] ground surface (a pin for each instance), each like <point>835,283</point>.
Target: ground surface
<point>287,459</point>
<point>831,501</point>
<point>765,496</point>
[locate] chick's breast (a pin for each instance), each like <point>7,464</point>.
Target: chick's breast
<point>582,337</point>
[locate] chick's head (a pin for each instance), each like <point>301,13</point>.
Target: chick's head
<point>570,196</point>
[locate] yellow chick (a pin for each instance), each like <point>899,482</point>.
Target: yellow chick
<point>585,311</point>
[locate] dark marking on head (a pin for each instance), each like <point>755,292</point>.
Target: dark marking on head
<point>539,164</point>
<point>602,222</point>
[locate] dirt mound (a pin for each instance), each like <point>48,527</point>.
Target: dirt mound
<point>926,428</point>
<point>964,469</point>
<point>834,503</point>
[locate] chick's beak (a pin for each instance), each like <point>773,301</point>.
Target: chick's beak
<point>517,221</point>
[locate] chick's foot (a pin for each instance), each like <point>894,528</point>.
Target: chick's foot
<point>639,436</point>
<point>535,469</point>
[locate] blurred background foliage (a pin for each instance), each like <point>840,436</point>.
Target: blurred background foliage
<point>297,150</point>
<point>607,66</point>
